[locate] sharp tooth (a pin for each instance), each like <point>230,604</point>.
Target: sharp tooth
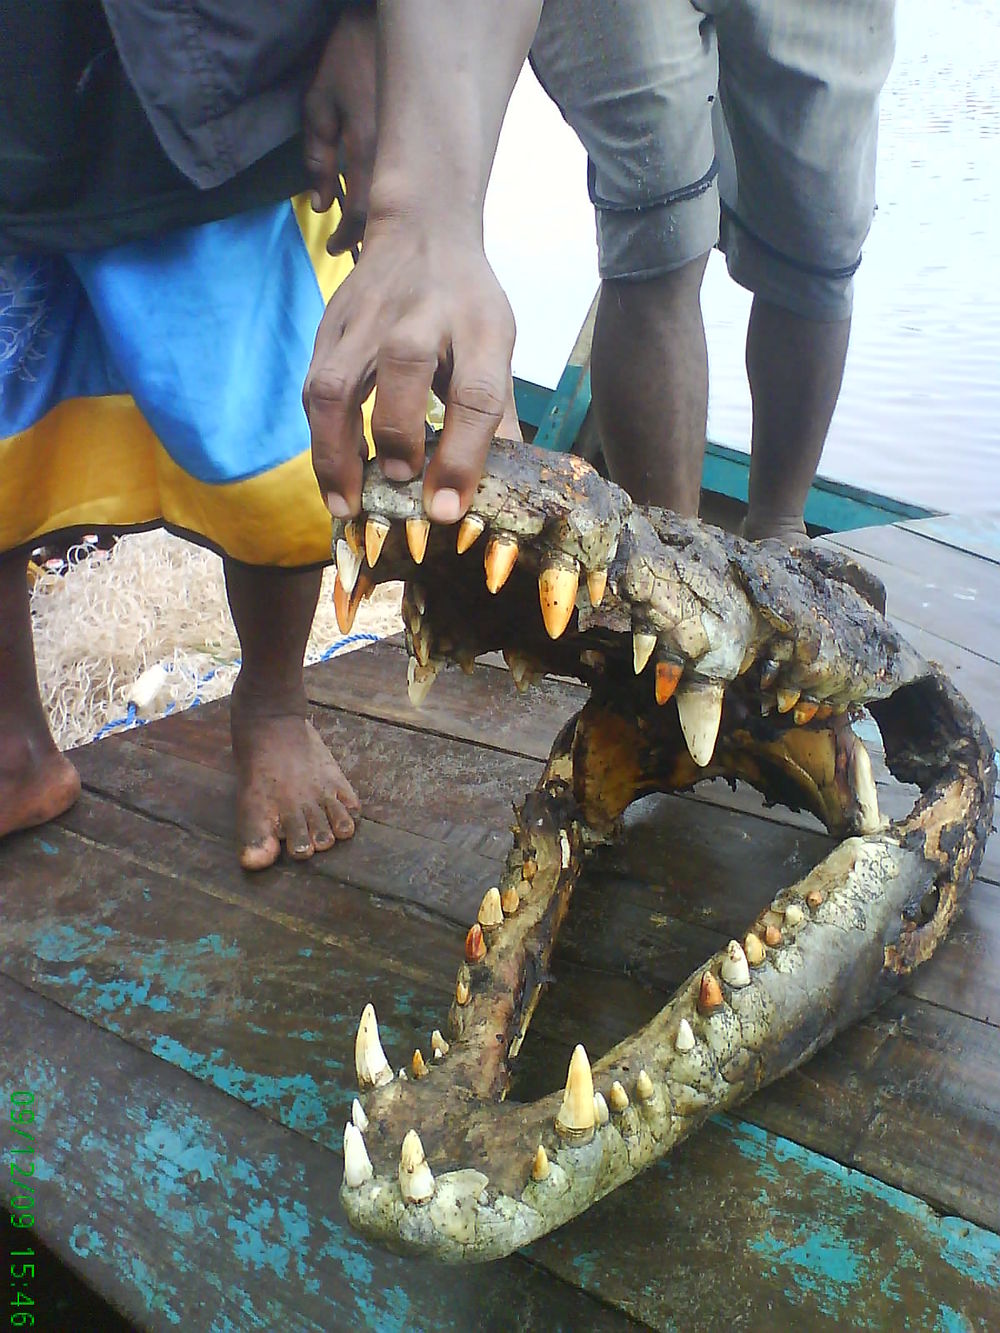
<point>643,644</point>
<point>863,786</point>
<point>369,1058</point>
<point>419,680</point>
<point>376,531</point>
<point>700,711</point>
<point>519,666</point>
<point>787,699</point>
<point>470,530</point>
<point>438,1045</point>
<point>684,1041</point>
<point>668,677</point>
<point>475,945</point>
<point>416,1184</point>
<point>421,639</point>
<point>557,588</point>
<point>575,1120</point>
<point>418,1066</point>
<point>644,1087</point>
<point>354,536</point>
<point>510,901</point>
<point>754,949</point>
<point>597,582</point>
<point>500,559</point>
<point>343,606</point>
<point>769,673</point>
<point>749,657</point>
<point>793,915</point>
<point>417,532</point>
<point>467,661</point>
<point>357,1164</point>
<point>419,595</point>
<point>618,1097</point>
<point>815,898</point>
<point>709,993</point>
<point>348,566</point>
<point>735,966</point>
<point>540,1165</point>
<point>358,1116</point>
<point>601,1112</point>
<point>805,711</point>
<point>529,869</point>
<point>772,937</point>
<point>490,909</point>
<point>463,988</point>
<point>564,849</point>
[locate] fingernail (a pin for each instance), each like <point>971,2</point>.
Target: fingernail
<point>396,469</point>
<point>337,505</point>
<point>445,506</point>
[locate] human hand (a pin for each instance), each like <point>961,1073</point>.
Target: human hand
<point>339,122</point>
<point>421,309</point>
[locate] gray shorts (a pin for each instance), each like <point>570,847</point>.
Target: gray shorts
<point>763,110</point>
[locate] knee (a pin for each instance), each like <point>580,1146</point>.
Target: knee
<point>668,297</point>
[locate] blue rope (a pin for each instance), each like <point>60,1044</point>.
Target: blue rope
<point>132,718</point>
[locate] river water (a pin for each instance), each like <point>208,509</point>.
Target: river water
<point>919,414</point>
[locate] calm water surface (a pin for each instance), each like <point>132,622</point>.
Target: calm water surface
<point>919,415</point>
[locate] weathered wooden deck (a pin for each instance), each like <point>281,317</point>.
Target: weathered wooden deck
<point>188,1030</point>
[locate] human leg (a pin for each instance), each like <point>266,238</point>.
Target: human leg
<point>36,781</point>
<point>649,370</point>
<point>289,787</point>
<point>636,86</point>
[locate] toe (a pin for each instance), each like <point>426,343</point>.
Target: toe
<point>298,840</point>
<point>322,835</point>
<point>340,818</point>
<point>260,854</point>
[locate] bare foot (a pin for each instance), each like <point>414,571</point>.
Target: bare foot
<point>36,781</point>
<point>789,530</point>
<point>289,788</point>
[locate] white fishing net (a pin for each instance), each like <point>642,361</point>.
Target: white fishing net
<point>154,600</point>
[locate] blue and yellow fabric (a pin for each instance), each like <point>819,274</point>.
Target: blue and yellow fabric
<point>161,380</point>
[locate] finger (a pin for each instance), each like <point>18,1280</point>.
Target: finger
<point>321,158</point>
<point>359,161</point>
<point>473,410</point>
<point>337,384</point>
<point>403,381</point>
<point>510,425</point>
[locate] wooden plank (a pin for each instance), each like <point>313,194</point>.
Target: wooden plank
<point>971,533</point>
<point>946,592</point>
<point>185,1208</point>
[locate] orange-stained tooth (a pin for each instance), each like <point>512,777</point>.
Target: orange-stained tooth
<point>376,531</point>
<point>417,532</point>
<point>500,559</point>
<point>557,588</point>
<point>815,897</point>
<point>342,606</point>
<point>668,675</point>
<point>475,945</point>
<point>787,699</point>
<point>354,535</point>
<point>772,937</point>
<point>709,993</point>
<point>470,530</point>
<point>510,901</point>
<point>805,711</point>
<point>463,989</point>
<point>597,582</point>
<point>529,869</point>
<point>823,711</point>
<point>418,1065</point>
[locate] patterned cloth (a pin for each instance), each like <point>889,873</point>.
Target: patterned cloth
<point>160,381</point>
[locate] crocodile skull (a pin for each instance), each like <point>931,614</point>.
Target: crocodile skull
<point>707,656</point>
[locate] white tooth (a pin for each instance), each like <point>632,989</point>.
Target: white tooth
<point>644,1089</point>
<point>358,1116</point>
<point>416,1183</point>
<point>700,711</point>
<point>577,1114</point>
<point>793,915</point>
<point>419,680</point>
<point>618,1096</point>
<point>369,1058</point>
<point>357,1164</point>
<point>863,786</point>
<point>684,1041</point>
<point>490,909</point>
<point>735,968</point>
<point>642,649</point>
<point>439,1046</point>
<point>564,849</point>
<point>348,566</point>
<point>601,1112</point>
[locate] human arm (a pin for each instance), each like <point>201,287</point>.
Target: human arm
<point>423,307</point>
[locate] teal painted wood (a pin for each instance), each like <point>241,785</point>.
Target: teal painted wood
<point>832,505</point>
